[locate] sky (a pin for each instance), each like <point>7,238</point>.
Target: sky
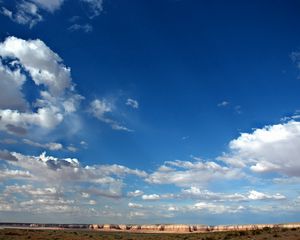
<point>161,111</point>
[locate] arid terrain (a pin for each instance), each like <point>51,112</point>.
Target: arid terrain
<point>259,234</point>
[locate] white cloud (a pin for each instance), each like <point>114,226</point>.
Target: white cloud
<point>61,182</point>
<point>53,146</point>
<point>255,195</point>
<point>27,13</point>
<point>216,208</point>
<point>135,205</point>
<point>223,104</point>
<point>95,7</point>
<point>31,190</point>
<point>44,117</point>
<point>30,12</point>
<point>104,180</point>
<point>101,110</point>
<point>151,197</point>
<point>187,173</point>
<point>92,202</point>
<point>173,208</point>
<point>198,193</point>
<point>132,103</point>
<point>81,27</point>
<point>136,214</point>
<point>72,148</point>
<point>274,148</point>
<point>28,198</point>
<point>85,195</point>
<point>41,62</point>
<point>49,5</point>
<point>7,156</point>
<point>135,193</point>
<point>6,174</point>
<point>45,68</point>
<point>100,107</point>
<point>113,189</point>
<point>11,85</point>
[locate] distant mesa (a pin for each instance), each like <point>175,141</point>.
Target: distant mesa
<point>150,228</point>
<point>184,228</point>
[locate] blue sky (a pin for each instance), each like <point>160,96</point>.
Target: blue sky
<point>149,111</point>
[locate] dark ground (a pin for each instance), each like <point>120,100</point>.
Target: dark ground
<point>265,234</point>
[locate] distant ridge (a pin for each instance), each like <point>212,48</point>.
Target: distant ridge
<point>161,228</point>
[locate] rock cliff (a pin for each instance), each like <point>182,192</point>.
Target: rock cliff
<point>183,228</point>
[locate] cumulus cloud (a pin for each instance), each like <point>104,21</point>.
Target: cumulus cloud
<point>6,174</point>
<point>106,179</point>
<point>197,193</point>
<point>216,208</point>
<point>135,193</point>
<point>135,205</point>
<point>102,109</point>
<point>31,190</point>
<point>48,184</point>
<point>11,84</point>
<point>151,197</point>
<point>274,148</point>
<point>16,130</point>
<point>255,195</point>
<point>204,194</point>
<point>41,62</point>
<point>92,202</point>
<point>27,13</point>
<point>45,68</point>
<point>7,156</point>
<point>192,173</point>
<point>132,103</point>
<point>28,198</point>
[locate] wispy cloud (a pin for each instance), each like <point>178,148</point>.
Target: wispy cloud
<point>30,12</point>
<point>132,103</point>
<point>223,104</point>
<point>87,28</point>
<point>27,13</point>
<point>94,7</point>
<point>238,109</point>
<point>53,146</point>
<point>101,110</point>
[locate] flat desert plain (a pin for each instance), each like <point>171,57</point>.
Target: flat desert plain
<point>43,234</point>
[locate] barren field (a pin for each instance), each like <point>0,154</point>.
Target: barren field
<point>265,234</point>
